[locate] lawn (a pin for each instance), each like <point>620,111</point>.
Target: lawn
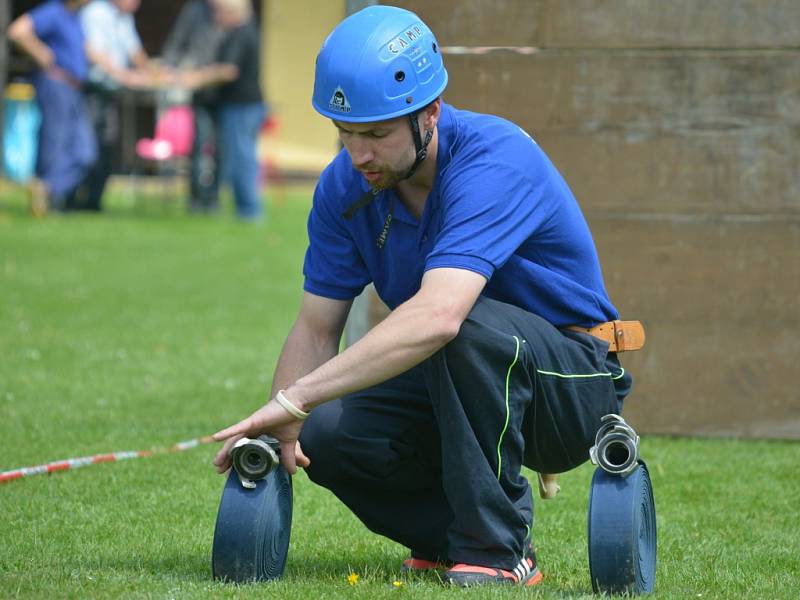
<point>142,327</point>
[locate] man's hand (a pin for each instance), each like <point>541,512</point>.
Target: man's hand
<point>209,75</point>
<point>273,420</point>
<point>134,79</point>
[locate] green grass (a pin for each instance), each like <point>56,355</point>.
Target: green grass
<point>140,328</point>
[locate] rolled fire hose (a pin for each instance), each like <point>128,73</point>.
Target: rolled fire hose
<point>622,514</point>
<point>254,520</point>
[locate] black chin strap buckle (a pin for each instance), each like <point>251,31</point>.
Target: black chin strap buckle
<point>420,144</point>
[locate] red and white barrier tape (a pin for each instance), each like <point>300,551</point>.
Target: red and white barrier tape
<point>84,461</point>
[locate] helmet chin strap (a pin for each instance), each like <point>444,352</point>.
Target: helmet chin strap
<point>419,143</point>
<point>422,153</point>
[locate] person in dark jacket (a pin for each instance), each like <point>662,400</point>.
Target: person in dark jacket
<point>235,73</point>
<point>194,42</point>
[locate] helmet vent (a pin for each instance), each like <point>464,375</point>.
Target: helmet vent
<point>399,76</point>
<point>435,48</point>
<point>409,99</point>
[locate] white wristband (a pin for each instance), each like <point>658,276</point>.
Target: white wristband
<point>290,408</point>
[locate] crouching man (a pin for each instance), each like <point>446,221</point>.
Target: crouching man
<point>473,239</point>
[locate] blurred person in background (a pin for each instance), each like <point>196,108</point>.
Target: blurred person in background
<point>193,42</point>
<point>51,35</point>
<point>235,72</point>
<point>117,61</point>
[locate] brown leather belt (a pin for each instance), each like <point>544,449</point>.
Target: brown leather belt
<point>622,336</point>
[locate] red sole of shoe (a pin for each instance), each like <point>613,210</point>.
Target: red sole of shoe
<point>534,580</point>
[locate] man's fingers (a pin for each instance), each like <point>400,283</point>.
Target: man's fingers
<point>224,434</point>
<point>300,458</point>
<point>259,422</point>
<point>222,464</point>
<point>287,457</point>
<point>222,460</point>
<point>239,429</point>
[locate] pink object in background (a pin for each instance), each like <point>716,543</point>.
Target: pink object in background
<point>174,135</point>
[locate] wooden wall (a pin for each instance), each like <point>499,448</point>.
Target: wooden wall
<point>677,124</point>
<point>305,142</point>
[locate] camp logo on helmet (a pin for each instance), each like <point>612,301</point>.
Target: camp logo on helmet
<point>403,41</point>
<point>339,101</point>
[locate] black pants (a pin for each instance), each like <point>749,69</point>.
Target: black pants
<point>432,458</point>
<point>104,114</point>
<point>204,163</point>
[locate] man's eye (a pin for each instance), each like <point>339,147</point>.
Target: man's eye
<point>378,134</point>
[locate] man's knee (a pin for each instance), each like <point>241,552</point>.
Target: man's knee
<point>470,338</point>
<point>482,338</point>
<point>318,440</point>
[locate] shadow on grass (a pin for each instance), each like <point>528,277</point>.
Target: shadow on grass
<point>196,566</point>
<point>123,203</point>
<point>188,566</point>
<point>328,567</point>
<point>16,209</point>
<point>304,567</point>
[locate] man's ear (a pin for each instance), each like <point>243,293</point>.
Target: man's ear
<point>432,113</point>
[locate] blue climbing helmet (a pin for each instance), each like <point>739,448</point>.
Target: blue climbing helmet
<point>379,63</point>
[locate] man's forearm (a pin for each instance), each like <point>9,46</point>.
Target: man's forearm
<point>209,75</point>
<point>140,59</point>
<point>105,64</point>
<point>302,353</point>
<point>36,49</point>
<point>404,339</point>
<point>410,334</point>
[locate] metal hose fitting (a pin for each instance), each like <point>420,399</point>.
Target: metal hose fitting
<point>616,447</point>
<point>253,459</point>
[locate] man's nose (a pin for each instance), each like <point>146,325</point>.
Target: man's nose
<point>360,151</point>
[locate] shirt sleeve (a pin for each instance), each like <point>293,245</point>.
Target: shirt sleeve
<point>179,35</point>
<point>96,25</point>
<point>234,50</point>
<point>132,41</point>
<point>333,266</point>
<point>489,210</point>
<point>45,19</point>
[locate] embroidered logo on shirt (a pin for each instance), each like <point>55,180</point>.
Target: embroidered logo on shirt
<point>338,101</point>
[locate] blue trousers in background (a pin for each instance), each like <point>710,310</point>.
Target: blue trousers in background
<point>239,127</point>
<point>67,144</point>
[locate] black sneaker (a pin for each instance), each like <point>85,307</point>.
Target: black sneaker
<point>526,573</point>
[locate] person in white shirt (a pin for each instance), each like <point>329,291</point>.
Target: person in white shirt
<point>117,61</point>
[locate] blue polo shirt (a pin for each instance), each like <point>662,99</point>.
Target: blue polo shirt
<point>498,207</point>
<point>60,30</point>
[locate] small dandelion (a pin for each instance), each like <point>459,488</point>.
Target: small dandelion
<point>352,579</point>
<point>397,584</point>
